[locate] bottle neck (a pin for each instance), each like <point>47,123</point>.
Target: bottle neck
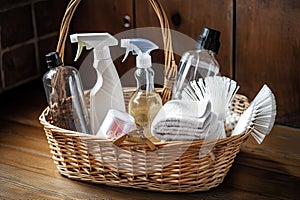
<point>55,67</point>
<point>100,54</point>
<point>145,79</point>
<point>102,60</point>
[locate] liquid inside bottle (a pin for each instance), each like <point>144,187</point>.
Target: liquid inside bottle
<point>145,102</point>
<point>144,107</point>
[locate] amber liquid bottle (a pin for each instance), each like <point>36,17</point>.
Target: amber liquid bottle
<point>145,102</point>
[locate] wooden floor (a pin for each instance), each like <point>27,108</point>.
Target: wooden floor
<point>267,171</point>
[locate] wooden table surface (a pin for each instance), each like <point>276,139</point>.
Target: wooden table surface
<point>267,171</point>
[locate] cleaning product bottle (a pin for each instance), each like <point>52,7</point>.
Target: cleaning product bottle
<point>107,92</point>
<point>145,102</point>
<point>65,95</point>
<point>198,63</point>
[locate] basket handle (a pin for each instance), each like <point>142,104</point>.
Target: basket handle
<point>170,71</point>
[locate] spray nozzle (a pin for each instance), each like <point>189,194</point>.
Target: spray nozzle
<point>141,48</point>
<point>98,41</point>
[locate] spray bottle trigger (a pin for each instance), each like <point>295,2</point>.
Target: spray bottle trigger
<point>126,54</point>
<point>79,50</point>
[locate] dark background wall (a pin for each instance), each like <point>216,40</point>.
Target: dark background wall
<point>29,30</point>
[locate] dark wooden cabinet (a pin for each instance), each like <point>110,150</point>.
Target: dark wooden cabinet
<point>189,17</point>
<point>103,16</point>
<point>268,51</point>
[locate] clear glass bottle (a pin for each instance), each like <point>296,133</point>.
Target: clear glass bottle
<point>65,95</point>
<point>198,63</point>
<point>145,102</point>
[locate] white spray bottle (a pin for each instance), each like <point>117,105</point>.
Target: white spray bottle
<point>145,102</point>
<point>107,92</point>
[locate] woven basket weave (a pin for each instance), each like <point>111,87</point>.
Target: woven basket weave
<point>182,166</point>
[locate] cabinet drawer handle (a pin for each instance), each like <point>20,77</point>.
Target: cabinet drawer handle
<point>176,19</point>
<point>126,21</point>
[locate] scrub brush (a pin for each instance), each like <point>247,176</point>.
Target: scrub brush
<point>219,90</point>
<point>259,116</point>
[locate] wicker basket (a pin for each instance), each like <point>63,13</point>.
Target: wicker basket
<point>183,166</point>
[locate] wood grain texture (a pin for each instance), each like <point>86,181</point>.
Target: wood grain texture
<point>279,152</point>
<point>195,14</point>
<point>31,185</point>
<point>268,49</point>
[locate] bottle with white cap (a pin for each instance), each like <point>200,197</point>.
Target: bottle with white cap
<point>107,93</point>
<point>145,102</point>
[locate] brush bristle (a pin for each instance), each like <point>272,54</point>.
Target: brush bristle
<point>260,116</point>
<point>220,91</point>
<point>264,113</point>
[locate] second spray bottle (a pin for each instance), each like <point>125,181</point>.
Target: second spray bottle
<point>145,102</point>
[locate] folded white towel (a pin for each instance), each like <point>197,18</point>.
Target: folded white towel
<point>187,128</point>
<point>186,120</point>
<point>214,131</point>
<point>187,108</point>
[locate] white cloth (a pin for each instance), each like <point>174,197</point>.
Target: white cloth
<point>186,120</point>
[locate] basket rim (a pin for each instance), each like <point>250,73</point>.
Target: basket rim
<point>46,124</point>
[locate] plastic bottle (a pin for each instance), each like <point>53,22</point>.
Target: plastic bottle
<point>65,95</point>
<point>107,92</point>
<point>200,62</point>
<point>145,102</point>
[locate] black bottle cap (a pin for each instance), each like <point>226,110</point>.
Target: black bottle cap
<point>209,39</point>
<point>53,60</point>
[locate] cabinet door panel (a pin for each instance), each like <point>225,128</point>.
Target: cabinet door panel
<point>194,15</point>
<point>102,16</point>
<point>268,51</point>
